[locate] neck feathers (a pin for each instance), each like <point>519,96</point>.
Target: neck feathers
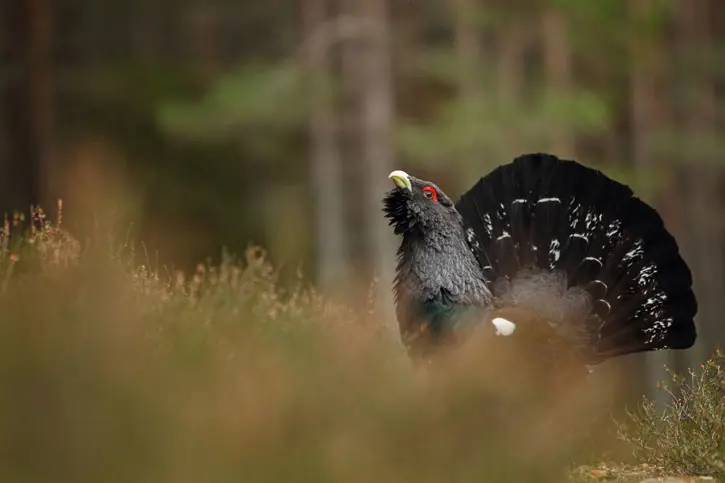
<point>440,263</point>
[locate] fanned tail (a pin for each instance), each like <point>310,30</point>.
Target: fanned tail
<point>579,248</point>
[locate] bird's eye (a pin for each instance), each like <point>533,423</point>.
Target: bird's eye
<point>430,193</point>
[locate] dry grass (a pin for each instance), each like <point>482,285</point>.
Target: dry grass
<point>688,437</point>
<point>112,372</point>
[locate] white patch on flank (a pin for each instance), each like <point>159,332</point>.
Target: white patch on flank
<point>549,200</point>
<point>519,200</point>
<point>503,327</point>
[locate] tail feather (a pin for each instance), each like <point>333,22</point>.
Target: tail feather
<point>549,217</point>
<point>558,216</point>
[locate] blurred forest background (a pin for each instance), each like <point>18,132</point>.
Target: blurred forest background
<point>202,124</point>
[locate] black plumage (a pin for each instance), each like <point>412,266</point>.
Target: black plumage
<point>547,236</point>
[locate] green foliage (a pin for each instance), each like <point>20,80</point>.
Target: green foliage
<point>705,146</point>
<point>119,99</point>
<point>465,127</point>
<point>489,127</point>
<point>688,436</point>
<point>254,118</point>
<point>271,100</point>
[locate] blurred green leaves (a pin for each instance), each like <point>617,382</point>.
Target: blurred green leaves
<point>465,127</point>
<point>257,114</point>
<point>254,105</point>
<point>489,125</point>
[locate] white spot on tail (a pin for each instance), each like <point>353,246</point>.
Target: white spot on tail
<point>503,327</point>
<point>609,306</point>
<point>591,221</point>
<point>635,253</point>
<point>596,260</point>
<point>554,251</point>
<point>614,229</point>
<point>488,224</point>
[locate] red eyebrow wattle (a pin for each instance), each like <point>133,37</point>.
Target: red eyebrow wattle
<point>432,191</point>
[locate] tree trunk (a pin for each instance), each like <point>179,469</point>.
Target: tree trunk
<point>702,178</point>
<point>146,33</point>
<point>203,24</point>
<point>377,147</point>
<point>325,162</point>
<point>468,48</point>
<point>350,138</point>
<point>28,105</point>
<point>644,123</point>
<point>511,46</point>
<point>557,65</point>
<point>468,51</point>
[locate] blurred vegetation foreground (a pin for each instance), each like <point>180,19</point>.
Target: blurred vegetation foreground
<point>110,371</point>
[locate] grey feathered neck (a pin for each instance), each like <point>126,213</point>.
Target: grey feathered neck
<point>434,254</point>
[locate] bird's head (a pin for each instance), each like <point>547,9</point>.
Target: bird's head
<point>417,206</point>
